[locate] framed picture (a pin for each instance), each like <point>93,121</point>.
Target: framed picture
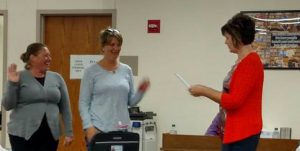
<point>277,38</point>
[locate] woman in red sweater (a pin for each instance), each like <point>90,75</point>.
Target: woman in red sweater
<point>241,98</point>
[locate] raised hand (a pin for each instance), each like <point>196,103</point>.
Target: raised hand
<point>144,85</point>
<point>12,73</point>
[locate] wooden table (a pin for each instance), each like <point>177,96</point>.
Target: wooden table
<point>177,142</point>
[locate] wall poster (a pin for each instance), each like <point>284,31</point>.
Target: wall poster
<point>277,39</point>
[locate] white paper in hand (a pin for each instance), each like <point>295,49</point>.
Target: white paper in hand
<point>183,81</point>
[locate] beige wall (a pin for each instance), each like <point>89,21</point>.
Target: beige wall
<point>2,4</point>
<point>1,63</point>
<point>190,43</point>
<point>1,55</point>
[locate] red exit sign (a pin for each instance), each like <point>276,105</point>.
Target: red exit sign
<point>153,26</point>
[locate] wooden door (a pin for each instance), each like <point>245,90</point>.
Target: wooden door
<point>65,36</point>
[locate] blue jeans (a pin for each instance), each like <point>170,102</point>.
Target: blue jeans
<point>247,144</point>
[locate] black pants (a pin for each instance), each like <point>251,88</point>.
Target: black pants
<point>41,140</point>
<point>247,144</point>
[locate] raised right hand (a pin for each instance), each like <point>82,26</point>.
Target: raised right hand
<point>145,84</point>
<point>12,73</point>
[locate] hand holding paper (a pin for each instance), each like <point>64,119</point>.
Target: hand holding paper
<point>188,86</point>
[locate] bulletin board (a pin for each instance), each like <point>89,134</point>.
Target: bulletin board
<point>277,38</point>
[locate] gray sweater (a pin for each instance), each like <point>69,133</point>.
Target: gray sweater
<point>30,101</point>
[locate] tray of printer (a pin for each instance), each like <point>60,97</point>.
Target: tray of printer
<point>136,114</point>
<point>142,115</point>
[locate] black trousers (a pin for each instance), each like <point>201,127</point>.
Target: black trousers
<point>41,140</point>
<point>247,144</point>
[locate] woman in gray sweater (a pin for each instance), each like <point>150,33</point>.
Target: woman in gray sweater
<point>37,98</point>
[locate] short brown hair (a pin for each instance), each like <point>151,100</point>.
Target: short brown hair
<point>107,34</point>
<point>242,29</point>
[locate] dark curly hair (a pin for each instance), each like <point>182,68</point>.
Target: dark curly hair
<point>242,29</point>
<point>32,49</point>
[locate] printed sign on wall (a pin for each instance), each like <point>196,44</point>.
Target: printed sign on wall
<point>79,62</point>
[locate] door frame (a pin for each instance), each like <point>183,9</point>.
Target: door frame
<point>41,14</point>
<point>4,13</point>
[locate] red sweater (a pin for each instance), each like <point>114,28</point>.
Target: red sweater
<point>243,102</point>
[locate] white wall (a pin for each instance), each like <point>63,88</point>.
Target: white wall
<point>1,56</point>
<point>2,4</point>
<point>75,4</point>
<point>190,43</point>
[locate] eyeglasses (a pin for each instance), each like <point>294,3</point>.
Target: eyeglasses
<point>112,30</point>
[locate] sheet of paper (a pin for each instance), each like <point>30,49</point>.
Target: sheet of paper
<point>182,80</point>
